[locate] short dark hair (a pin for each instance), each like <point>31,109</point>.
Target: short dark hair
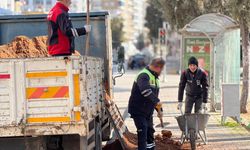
<point>157,62</point>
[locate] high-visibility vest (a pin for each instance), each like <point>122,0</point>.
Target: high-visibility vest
<point>153,81</point>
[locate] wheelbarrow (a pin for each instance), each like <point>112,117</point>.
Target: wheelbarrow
<point>191,126</point>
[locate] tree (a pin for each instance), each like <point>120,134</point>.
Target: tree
<point>239,10</point>
<point>117,32</point>
<point>175,11</point>
<point>153,20</point>
<point>214,6</point>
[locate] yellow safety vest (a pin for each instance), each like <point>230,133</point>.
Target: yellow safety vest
<point>153,81</point>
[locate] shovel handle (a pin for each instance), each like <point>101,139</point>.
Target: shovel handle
<point>87,36</point>
<point>161,120</point>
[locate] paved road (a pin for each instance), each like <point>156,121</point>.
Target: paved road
<point>220,137</point>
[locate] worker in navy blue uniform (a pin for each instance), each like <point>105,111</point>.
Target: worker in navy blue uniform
<point>143,100</point>
<point>194,80</point>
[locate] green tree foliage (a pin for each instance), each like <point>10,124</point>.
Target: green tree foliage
<point>214,6</point>
<point>153,20</point>
<point>178,12</point>
<point>117,32</point>
<point>239,10</point>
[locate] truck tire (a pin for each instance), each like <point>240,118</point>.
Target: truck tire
<point>54,142</point>
<point>192,139</point>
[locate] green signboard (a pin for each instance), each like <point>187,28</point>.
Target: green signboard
<point>199,48</point>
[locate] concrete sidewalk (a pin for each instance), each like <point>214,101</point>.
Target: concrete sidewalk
<point>232,136</point>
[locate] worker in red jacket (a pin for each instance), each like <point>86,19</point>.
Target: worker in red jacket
<point>61,33</point>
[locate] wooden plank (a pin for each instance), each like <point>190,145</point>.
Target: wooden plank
<point>4,105</point>
<point>49,103</point>
<point>4,112</point>
<point>45,82</point>
<point>45,110</point>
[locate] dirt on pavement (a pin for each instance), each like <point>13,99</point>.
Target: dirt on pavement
<point>163,141</point>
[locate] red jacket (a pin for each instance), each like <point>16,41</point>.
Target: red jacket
<point>61,32</point>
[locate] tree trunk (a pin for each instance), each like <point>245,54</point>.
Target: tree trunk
<point>245,48</point>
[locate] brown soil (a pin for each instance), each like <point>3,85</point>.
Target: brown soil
<point>166,133</point>
<point>23,47</point>
<point>116,145</point>
<point>163,141</point>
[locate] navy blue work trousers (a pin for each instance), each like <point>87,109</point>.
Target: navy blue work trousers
<point>145,132</point>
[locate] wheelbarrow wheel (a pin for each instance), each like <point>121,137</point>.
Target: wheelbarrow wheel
<point>192,139</point>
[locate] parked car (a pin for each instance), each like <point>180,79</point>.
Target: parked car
<point>136,61</point>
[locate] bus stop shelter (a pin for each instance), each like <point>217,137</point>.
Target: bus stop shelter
<point>215,40</point>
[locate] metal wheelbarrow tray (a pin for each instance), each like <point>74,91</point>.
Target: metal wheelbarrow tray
<point>197,122</point>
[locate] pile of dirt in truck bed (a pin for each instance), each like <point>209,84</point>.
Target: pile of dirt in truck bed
<point>24,47</point>
<point>163,141</point>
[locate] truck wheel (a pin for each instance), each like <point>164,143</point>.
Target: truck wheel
<point>54,142</point>
<point>192,139</point>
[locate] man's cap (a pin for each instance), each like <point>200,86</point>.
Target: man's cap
<point>158,62</point>
<point>192,60</point>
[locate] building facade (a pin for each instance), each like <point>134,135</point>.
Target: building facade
<point>8,4</point>
<point>43,6</point>
<point>131,11</point>
<point>139,16</point>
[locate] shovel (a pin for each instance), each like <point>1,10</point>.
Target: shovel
<point>162,124</point>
